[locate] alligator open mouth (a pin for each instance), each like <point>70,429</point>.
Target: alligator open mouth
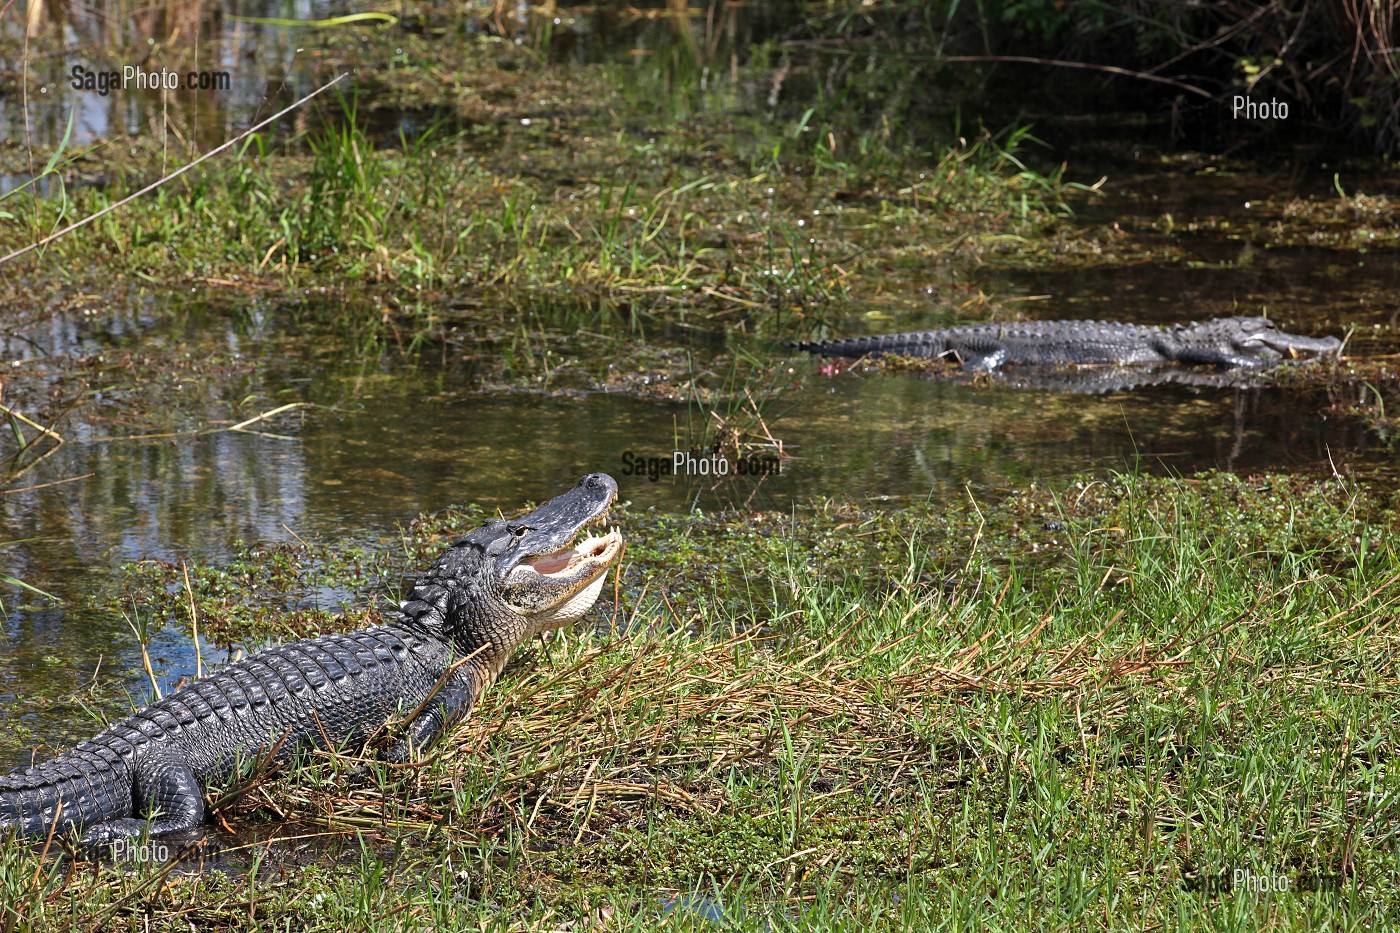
<point>558,587</point>
<point>593,553</point>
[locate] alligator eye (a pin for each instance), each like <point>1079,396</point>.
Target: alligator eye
<point>520,530</point>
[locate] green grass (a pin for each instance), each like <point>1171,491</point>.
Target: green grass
<point>1077,708</point>
<point>619,205</point>
<point>431,215</point>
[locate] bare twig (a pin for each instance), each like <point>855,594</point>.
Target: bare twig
<point>57,482</point>
<point>267,414</point>
<point>194,623</point>
<point>240,427</point>
<point>1084,66</point>
<point>33,424</point>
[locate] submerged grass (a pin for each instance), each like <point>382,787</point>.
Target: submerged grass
<point>1120,703</point>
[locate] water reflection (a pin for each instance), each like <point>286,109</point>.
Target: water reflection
<point>262,62</point>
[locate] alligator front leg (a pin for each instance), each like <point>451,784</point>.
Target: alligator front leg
<point>166,793</point>
<point>1171,347</point>
<point>439,715</point>
<point>1219,356</point>
<point>978,354</point>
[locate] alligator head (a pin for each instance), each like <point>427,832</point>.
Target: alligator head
<point>512,578</point>
<point>1258,337</point>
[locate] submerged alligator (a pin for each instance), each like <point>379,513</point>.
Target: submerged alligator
<point>1235,342</point>
<point>445,644</point>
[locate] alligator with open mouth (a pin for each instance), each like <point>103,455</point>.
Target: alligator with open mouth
<point>424,667</point>
<point>1232,342</point>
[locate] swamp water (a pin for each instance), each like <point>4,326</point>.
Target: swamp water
<point>380,443</point>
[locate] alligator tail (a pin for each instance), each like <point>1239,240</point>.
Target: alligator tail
<point>916,343</point>
<point>72,790</point>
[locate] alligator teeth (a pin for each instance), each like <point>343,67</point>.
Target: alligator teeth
<point>592,548</point>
